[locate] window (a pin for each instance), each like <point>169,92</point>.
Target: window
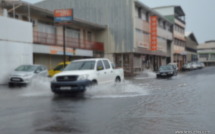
<point>89,36</point>
<point>100,65</point>
<point>107,65</point>
<point>212,56</point>
<point>203,56</point>
<point>160,22</point>
<point>143,15</point>
<point>139,10</point>
<point>176,42</point>
<point>113,65</point>
<point>164,25</point>
<point>147,16</point>
<point>73,33</point>
<point>45,28</point>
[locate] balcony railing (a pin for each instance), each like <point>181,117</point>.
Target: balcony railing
<point>57,40</point>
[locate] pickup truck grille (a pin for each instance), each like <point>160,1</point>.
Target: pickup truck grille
<point>67,78</point>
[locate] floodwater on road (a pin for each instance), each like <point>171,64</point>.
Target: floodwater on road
<point>139,105</point>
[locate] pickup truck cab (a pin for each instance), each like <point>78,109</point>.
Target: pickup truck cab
<point>83,73</point>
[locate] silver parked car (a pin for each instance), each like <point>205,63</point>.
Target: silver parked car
<point>200,65</point>
<point>194,65</point>
<point>24,74</point>
<point>187,66</point>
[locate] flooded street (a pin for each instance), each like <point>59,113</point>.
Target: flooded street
<point>140,105</point>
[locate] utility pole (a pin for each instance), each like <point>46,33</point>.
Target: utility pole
<point>64,45</point>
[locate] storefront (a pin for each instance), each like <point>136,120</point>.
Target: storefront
<point>134,63</point>
<point>179,55</point>
<point>50,56</point>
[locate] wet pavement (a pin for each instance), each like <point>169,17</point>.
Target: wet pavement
<point>141,105</point>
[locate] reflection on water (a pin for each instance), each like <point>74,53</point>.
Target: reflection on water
<point>124,89</point>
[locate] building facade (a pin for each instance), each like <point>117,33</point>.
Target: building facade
<point>128,30</point>
<point>176,15</point>
<point>191,47</point>
<point>206,53</point>
<point>82,38</point>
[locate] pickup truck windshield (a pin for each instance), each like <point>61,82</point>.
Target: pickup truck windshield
<point>80,65</point>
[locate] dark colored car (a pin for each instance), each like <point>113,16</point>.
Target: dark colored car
<point>166,71</point>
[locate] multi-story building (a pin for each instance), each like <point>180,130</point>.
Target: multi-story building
<point>82,38</point>
<point>191,47</point>
<point>206,53</point>
<point>128,30</point>
<point>176,15</point>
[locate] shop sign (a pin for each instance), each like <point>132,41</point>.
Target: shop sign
<point>59,51</point>
<point>63,15</point>
<point>153,33</point>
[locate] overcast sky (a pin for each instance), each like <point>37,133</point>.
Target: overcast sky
<point>200,15</point>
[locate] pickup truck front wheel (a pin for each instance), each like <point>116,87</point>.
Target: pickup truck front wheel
<point>93,83</point>
<point>117,80</point>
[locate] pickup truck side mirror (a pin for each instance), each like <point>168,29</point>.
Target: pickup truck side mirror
<point>100,68</point>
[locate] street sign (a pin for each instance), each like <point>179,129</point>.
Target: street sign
<point>63,15</point>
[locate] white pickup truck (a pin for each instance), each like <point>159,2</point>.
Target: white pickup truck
<point>82,73</point>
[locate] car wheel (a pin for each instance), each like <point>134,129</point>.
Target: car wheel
<point>91,84</point>
<point>11,85</point>
<point>94,83</point>
<point>117,80</point>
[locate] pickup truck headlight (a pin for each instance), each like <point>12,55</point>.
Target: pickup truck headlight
<point>83,77</point>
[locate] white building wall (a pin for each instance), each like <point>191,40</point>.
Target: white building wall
<point>15,46</point>
<point>15,30</point>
